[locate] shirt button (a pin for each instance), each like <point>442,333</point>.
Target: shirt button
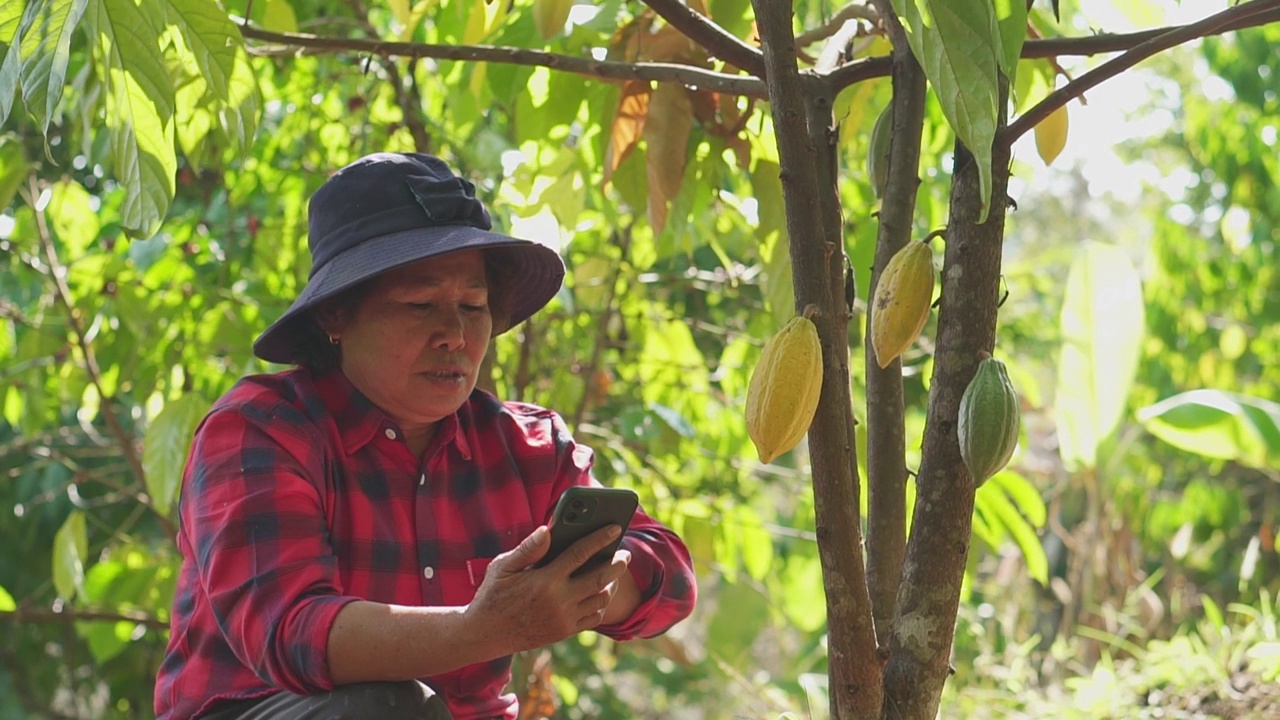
<point>428,572</point>
<point>391,434</point>
<point>422,480</point>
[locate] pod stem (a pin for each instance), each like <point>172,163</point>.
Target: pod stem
<point>810,311</point>
<point>983,355</point>
<point>940,232</point>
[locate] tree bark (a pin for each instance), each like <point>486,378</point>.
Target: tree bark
<point>929,595</point>
<point>886,434</point>
<point>803,122</point>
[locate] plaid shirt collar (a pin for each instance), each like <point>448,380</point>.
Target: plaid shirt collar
<point>359,420</point>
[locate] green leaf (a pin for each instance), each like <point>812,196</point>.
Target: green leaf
<point>1102,326</point>
<point>72,218</point>
<point>15,21</point>
<point>106,640</point>
<point>279,17</point>
<point>958,44</point>
<point>1023,494</point>
<point>165,445</point>
<point>6,601</point>
<point>139,105</point>
<point>1218,424</point>
<point>206,40</point>
<point>1011,15</point>
<point>995,502</point>
<point>70,551</point>
<point>45,53</point>
<point>13,169</point>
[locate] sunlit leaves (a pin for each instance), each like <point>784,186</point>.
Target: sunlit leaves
<point>1218,424</point>
<point>1102,331</point>
<point>1009,507</point>
<point>72,217</point>
<point>139,107</point>
<point>70,552</point>
<point>165,448</point>
<point>42,50</point>
<point>958,44</point>
<point>6,601</point>
<point>628,124</point>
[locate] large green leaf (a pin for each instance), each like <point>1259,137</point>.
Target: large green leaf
<point>70,551</point>
<point>165,445</point>
<point>1012,18</point>
<point>958,44</point>
<point>1218,424</point>
<point>217,79</point>
<point>15,19</point>
<point>996,507</point>
<point>139,104</point>
<point>1102,329</point>
<point>45,53</point>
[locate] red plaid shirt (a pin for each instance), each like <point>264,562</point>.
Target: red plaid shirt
<point>300,496</point>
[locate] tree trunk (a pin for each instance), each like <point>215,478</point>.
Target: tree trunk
<point>929,595</point>
<point>803,122</point>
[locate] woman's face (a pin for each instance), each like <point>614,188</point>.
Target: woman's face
<point>414,344</point>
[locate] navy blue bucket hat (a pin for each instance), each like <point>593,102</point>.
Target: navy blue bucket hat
<point>390,209</point>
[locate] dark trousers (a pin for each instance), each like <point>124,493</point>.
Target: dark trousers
<point>410,700</point>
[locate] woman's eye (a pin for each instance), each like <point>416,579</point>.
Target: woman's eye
<point>475,308</point>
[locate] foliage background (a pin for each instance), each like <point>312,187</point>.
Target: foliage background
<point>1096,574</point>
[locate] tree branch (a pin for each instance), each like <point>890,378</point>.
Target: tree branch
<point>713,38</point>
<point>62,292</point>
<point>1246,15</point>
<point>404,98</point>
<point>1243,13</point>
<point>852,11</point>
<point>26,615</point>
<point>687,75</point>
<point>801,104</point>
<point>886,433</point>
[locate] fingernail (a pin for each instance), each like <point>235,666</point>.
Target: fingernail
<point>615,531</point>
<point>540,533</point>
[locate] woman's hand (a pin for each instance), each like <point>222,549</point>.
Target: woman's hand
<point>519,607</point>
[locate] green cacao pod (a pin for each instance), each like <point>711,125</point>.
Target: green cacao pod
<point>783,394</point>
<point>901,304</point>
<point>989,420</point>
<point>878,152</point>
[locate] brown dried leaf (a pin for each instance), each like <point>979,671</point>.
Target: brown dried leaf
<point>628,124</point>
<point>667,134</point>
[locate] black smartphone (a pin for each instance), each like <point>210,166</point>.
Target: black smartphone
<point>581,511</point>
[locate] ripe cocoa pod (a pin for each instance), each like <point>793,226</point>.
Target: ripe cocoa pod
<point>1051,135</point>
<point>783,394</point>
<point>878,151</point>
<point>989,420</point>
<point>901,306</point>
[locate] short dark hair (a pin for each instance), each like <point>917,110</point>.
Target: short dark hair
<point>313,350</point>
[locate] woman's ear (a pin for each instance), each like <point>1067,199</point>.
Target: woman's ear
<point>331,319</point>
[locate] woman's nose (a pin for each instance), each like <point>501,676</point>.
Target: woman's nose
<point>448,333</point>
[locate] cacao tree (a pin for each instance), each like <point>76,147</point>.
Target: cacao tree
<point>173,97</point>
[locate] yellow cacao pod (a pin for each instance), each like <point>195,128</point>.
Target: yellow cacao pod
<point>878,151</point>
<point>989,420</point>
<point>783,394</point>
<point>1051,135</point>
<point>901,304</point>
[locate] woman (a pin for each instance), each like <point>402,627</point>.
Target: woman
<point>359,533</point>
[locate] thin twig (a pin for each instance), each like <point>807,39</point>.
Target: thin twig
<point>26,615</point>
<point>58,274</point>
<point>688,75</point>
<point>713,38</point>
<point>852,11</point>
<point>1214,23</point>
<point>412,115</point>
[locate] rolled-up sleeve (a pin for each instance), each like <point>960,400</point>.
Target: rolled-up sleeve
<point>253,514</point>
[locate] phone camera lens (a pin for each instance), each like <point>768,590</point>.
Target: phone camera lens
<point>571,516</point>
<point>577,505</point>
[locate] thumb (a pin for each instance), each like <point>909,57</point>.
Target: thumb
<point>529,551</point>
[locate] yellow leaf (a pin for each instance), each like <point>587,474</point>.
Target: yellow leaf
<point>279,17</point>
<point>550,16</point>
<point>1051,135</point>
<point>480,21</point>
<point>628,124</point>
<point>666,132</point>
<point>400,8</point>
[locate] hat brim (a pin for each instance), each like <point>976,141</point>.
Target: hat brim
<point>541,272</point>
